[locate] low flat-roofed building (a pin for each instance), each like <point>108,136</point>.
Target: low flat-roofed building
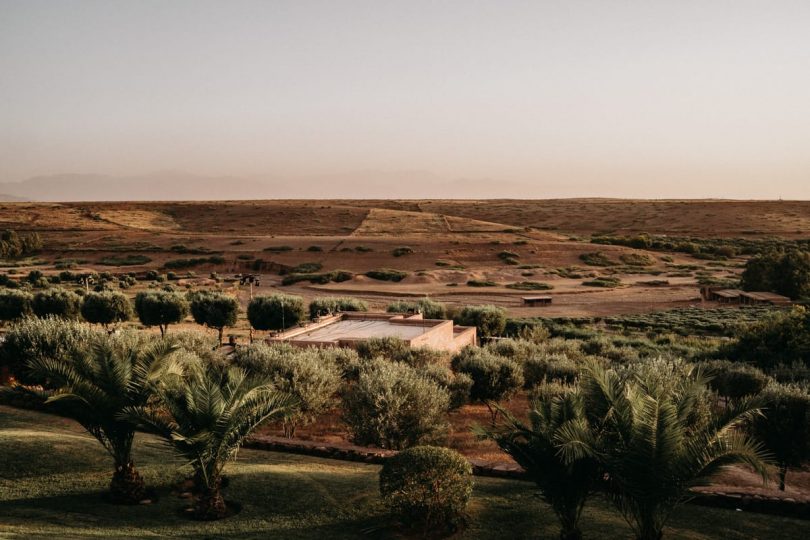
<point>541,300</point>
<point>725,296</point>
<point>348,328</point>
<point>756,297</point>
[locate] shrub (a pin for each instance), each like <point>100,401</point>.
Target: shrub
<point>300,373</point>
<point>735,380</point>
<point>481,283</point>
<point>397,350</point>
<point>125,260</point>
<point>549,367</point>
<point>56,302</point>
<point>430,309</point>
<point>783,338</point>
<point>636,259</point>
<point>337,276</point>
<point>489,320</point>
<point>160,309</point>
<point>278,249</point>
<point>275,312</point>
<point>392,406</point>
<point>603,282</point>
<point>332,304</point>
<point>48,338</point>
<point>428,487</point>
<point>14,305</point>
<point>314,248</point>
<point>215,310</point>
<point>306,268</point>
<point>494,377</point>
<point>457,384</point>
<point>387,274</point>
<point>530,286</point>
<point>177,264</point>
<point>400,251</point>
<point>106,308</point>
<point>508,257</point>
<point>596,259</point>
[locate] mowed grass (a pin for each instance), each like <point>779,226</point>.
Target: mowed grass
<point>53,476</point>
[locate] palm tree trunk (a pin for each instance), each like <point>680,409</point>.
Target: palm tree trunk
<point>782,474</point>
<point>127,486</point>
<point>210,504</point>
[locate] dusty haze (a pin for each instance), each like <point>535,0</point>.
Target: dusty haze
<point>404,99</point>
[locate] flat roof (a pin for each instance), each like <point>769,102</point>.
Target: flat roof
<point>362,329</point>
<point>727,293</point>
<point>758,295</point>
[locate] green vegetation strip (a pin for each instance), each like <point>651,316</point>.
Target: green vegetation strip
<point>282,496</point>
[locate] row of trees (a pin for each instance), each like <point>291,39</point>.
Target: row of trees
<point>13,245</point>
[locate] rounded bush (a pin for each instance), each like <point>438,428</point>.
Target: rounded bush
<point>160,309</point>
<point>494,377</point>
<point>106,308</point>
<point>457,384</point>
<point>327,305</point>
<point>428,487</point>
<point>275,312</point>
<point>490,321</point>
<point>215,310</point>
<point>56,302</point>
<point>392,406</point>
<point>430,309</point>
<point>735,380</point>
<point>14,305</point>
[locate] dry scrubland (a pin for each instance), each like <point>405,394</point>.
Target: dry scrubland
<point>461,252</point>
<point>616,269</point>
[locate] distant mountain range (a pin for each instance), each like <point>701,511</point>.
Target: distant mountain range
<point>178,186</point>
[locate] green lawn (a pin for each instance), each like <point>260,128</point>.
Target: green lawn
<point>52,477</point>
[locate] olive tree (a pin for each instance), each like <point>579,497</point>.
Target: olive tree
<point>393,406</point>
<point>305,374</point>
<point>106,308</point>
<point>160,309</point>
<point>275,312</point>
<point>494,377</point>
<point>14,305</point>
<point>215,310</point>
<point>327,305</point>
<point>785,426</point>
<point>489,320</point>
<point>56,302</point>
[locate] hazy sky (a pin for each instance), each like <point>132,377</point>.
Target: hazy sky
<point>574,98</point>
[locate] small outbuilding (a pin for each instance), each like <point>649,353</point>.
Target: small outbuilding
<point>764,298</point>
<point>724,296</point>
<point>543,300</point>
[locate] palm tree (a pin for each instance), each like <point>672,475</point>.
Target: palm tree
<point>206,417</point>
<point>565,478</point>
<point>657,439</point>
<point>95,385</point>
